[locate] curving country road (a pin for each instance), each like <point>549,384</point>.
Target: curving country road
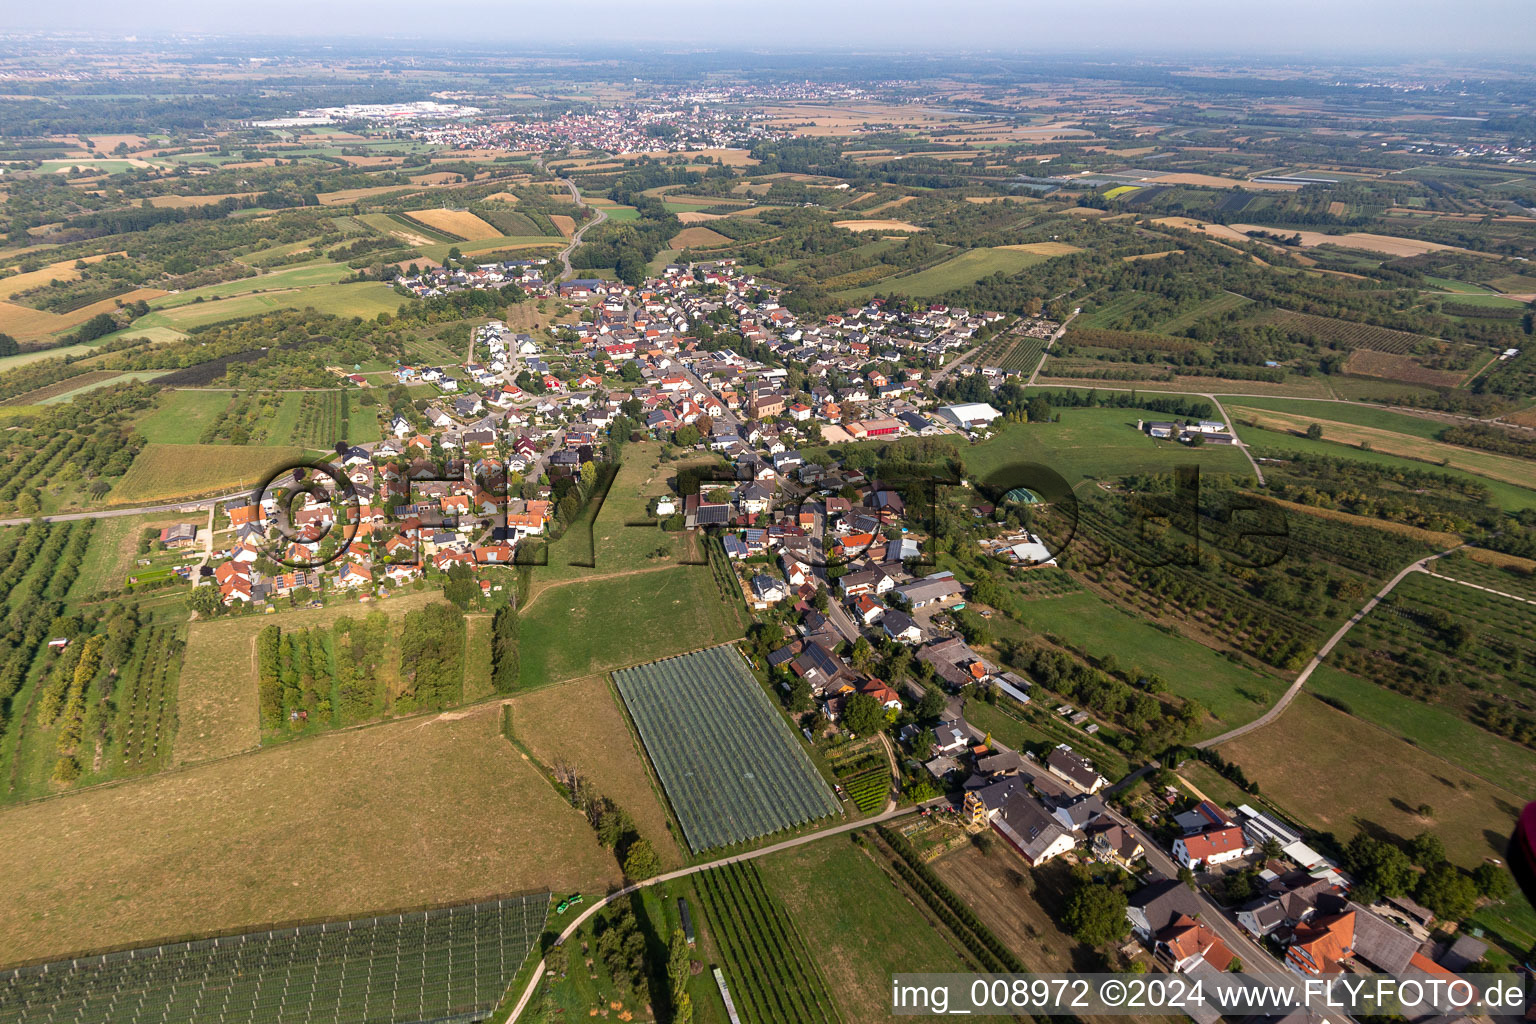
<point>1422,565</point>
<point>565,254</point>
<point>570,929</point>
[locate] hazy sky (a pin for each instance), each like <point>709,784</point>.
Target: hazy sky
<point>1455,28</point>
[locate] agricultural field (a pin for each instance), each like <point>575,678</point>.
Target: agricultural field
<point>603,752</point>
<point>1354,777</point>
<point>167,472</point>
<point>963,269</point>
<point>219,697</point>
<point>439,962</point>
<point>1415,445</point>
<point>365,299</point>
<point>1094,444</point>
<point>460,224</point>
<point>732,768</point>
<point>771,972</point>
<point>1435,728</point>
<point>862,926</point>
<point>405,813</point>
<point>864,775</point>
<point>1466,651</point>
<point>181,417</point>
<point>595,624</point>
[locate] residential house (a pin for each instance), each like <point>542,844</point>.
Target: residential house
<point>1065,763</point>
<point>1209,848</point>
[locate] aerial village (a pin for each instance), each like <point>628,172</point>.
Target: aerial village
<point>824,553</point>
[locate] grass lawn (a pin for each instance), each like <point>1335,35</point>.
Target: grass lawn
<point>862,928</point>
<point>348,823</point>
<point>1273,444</point>
<point>1440,732</point>
<point>114,548</point>
<point>961,270</point>
<point>364,298</point>
<point>1341,412</point>
<point>588,627</point>
<point>610,544</point>
<point>1095,444</point>
<point>602,750</point>
<point>180,417</point>
<point>166,472</point>
<point>1331,771</point>
<point>1231,692</point>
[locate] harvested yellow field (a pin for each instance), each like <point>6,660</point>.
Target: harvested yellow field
<point>63,271</point>
<point>890,204</point>
<point>427,810</point>
<point>695,217</point>
<point>1389,245</point>
<point>697,236</point>
<point>456,222</point>
<point>511,199</point>
<point>565,222</point>
<point>25,324</point>
<point>876,225</point>
<point>107,143</point>
<point>1220,231</point>
<point>433,177</point>
<point>999,199</point>
<point>1043,248</point>
<point>552,244</point>
<point>352,195</point>
<point>182,202</point>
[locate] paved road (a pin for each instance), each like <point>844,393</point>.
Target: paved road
<point>788,844</point>
<point>565,254</point>
<point>136,510</point>
<point>1255,960</point>
<point>1317,659</point>
<point>1259,473</point>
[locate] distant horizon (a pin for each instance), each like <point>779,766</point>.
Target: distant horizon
<point>1322,29</point>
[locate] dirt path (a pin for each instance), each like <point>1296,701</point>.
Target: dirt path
<point>1317,659</point>
<point>552,584</point>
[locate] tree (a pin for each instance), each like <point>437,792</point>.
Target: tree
<point>1426,850</point>
<point>1315,432</point>
<point>930,706</point>
<point>1039,410</point>
<point>863,655</point>
<point>679,967</point>
<point>1095,914</point>
<point>800,698</point>
<point>1493,882</point>
<point>1187,877</point>
<point>1379,864</point>
<point>205,600</point>
<point>641,861</point>
<point>1271,848</point>
<point>863,715</point>
<point>1448,891</point>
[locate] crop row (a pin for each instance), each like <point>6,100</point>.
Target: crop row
<point>151,696</point>
<point>770,968</point>
<point>869,789</point>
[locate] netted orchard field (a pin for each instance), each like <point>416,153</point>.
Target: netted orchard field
<point>732,768</point>
<point>453,963</point>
